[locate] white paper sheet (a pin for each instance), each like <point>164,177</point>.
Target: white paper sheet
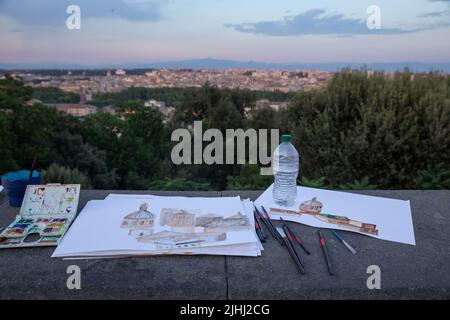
<point>247,204</point>
<point>98,230</point>
<point>392,218</point>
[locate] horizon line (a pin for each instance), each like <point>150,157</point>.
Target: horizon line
<point>208,63</point>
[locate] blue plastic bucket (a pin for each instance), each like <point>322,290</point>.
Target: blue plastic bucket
<point>15,184</point>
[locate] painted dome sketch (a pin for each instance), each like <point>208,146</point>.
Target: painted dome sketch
<point>312,206</point>
<point>140,220</point>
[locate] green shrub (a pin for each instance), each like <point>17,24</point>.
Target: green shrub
<point>178,185</point>
<point>363,184</point>
<point>250,178</point>
<point>58,174</point>
<point>313,183</point>
<point>376,127</point>
<point>434,177</point>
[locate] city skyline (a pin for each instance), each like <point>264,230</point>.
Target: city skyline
<point>121,32</point>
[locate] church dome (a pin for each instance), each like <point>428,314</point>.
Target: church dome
<point>143,213</point>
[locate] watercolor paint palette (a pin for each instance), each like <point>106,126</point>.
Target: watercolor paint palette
<point>46,214</point>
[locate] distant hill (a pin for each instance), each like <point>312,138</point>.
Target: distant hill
<point>228,64</point>
<point>333,66</point>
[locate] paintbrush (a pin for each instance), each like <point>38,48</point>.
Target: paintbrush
<point>32,168</point>
<point>278,236</point>
<point>345,243</point>
<point>326,255</point>
<point>261,229</point>
<point>291,244</point>
<point>296,238</point>
<point>258,232</point>
<point>264,220</point>
<point>291,252</point>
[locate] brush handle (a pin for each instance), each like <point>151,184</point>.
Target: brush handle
<point>261,229</point>
<point>291,244</point>
<point>266,224</point>
<point>293,256</point>
<point>258,232</point>
<point>325,253</point>
<point>270,227</point>
<point>32,168</point>
<point>327,258</point>
<point>349,247</point>
<point>267,216</point>
<point>297,239</point>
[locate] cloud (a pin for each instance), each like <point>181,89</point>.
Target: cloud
<point>436,14</point>
<point>53,12</point>
<point>315,21</point>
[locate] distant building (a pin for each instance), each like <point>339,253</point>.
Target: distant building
<point>275,105</point>
<point>155,103</point>
<point>76,110</point>
<point>152,73</point>
<point>120,72</point>
<point>88,97</point>
<point>168,113</point>
<point>33,102</point>
<point>109,109</point>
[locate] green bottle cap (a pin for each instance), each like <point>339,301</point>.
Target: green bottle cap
<point>286,138</point>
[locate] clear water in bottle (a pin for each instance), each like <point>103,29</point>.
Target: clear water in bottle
<point>286,162</point>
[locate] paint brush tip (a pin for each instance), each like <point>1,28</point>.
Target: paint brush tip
<point>281,232</point>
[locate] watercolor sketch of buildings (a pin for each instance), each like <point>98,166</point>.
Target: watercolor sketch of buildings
<point>161,225</point>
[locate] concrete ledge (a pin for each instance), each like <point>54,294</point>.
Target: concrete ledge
<point>408,272</point>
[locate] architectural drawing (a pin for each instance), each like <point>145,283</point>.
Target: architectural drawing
<point>177,218</point>
<point>169,239</point>
<point>311,207</point>
<point>239,220</point>
<point>347,223</point>
<point>140,222</point>
<point>314,208</point>
<point>212,221</point>
<point>209,221</point>
<point>181,228</point>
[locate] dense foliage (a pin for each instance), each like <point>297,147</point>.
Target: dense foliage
<point>174,96</point>
<point>55,95</point>
<point>361,132</point>
<point>384,130</point>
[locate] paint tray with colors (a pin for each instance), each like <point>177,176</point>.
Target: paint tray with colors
<point>46,214</point>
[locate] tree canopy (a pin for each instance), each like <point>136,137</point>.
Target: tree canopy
<point>359,132</point>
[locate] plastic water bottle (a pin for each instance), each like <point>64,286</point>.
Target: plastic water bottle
<point>286,162</point>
